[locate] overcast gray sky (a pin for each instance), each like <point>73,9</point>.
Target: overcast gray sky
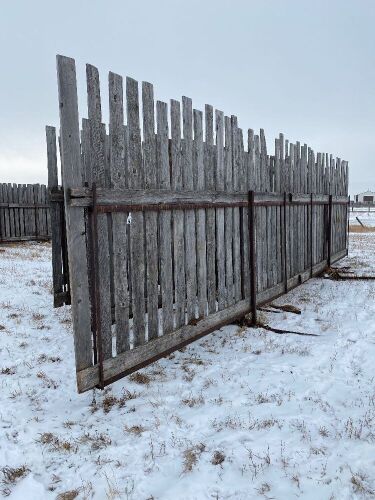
<point>305,68</point>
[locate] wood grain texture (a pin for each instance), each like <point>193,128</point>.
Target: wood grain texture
<point>72,177</point>
<point>57,269</point>
<point>189,215</point>
<point>178,216</point>
<point>120,244</point>
<point>97,169</point>
<point>209,169</point>
<point>201,245</point>
<point>151,218</point>
<point>136,180</point>
<point>164,181</point>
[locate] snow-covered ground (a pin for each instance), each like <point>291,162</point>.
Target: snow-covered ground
<point>240,414</point>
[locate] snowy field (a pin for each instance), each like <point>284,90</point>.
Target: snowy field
<point>240,414</point>
<point>367,218</point>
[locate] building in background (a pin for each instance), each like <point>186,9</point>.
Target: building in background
<point>367,198</point>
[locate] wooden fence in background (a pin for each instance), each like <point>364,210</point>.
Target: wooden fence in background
<point>24,212</point>
<point>174,228</point>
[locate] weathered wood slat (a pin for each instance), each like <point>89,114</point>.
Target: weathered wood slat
<point>72,177</point>
<point>136,180</point>
<point>57,269</point>
<point>199,174</point>
<point>220,236</point>
<point>178,217</point>
<point>119,233</point>
<point>188,184</point>
<point>164,182</point>
<point>151,218</point>
<point>209,169</point>
<point>97,169</point>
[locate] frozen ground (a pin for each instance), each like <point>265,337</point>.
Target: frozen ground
<point>240,414</point>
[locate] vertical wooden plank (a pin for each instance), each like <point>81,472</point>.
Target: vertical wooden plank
<point>244,223</point>
<point>31,211</point>
<point>98,175</point>
<point>57,270</point>
<point>76,240</point>
<point>2,211</point>
<point>136,181</point>
<point>16,211</point>
<point>201,245</point>
<point>291,253</point>
<point>10,211</point>
<point>220,236</point>
<point>258,216</point>
<point>151,218</point>
<point>304,235</point>
<point>21,211</point>
<point>264,211</point>
<point>178,216</point>
<point>209,161</point>
<point>6,212</point>
<point>278,221</point>
<point>163,179</point>
<point>228,213</point>
<point>189,215</point>
<point>86,148</point>
<point>119,232</point>
<point>236,211</point>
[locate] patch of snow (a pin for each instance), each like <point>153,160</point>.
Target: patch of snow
<point>242,413</point>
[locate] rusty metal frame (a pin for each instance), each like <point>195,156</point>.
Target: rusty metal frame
<point>96,208</point>
<point>95,293</point>
<point>252,260</point>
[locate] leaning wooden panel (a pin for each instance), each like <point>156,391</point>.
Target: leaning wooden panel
<point>75,223</point>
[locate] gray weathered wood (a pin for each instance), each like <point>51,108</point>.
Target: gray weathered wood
<point>119,233</point>
<point>163,179</point>
<point>97,169</point>
<point>209,168</point>
<point>220,234</point>
<point>188,183</point>
<point>201,246</point>
<point>178,216</point>
<point>151,218</point>
<point>136,180</point>
<point>57,269</point>
<point>72,177</point>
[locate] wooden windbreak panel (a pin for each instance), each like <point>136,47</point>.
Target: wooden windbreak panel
<point>164,255</point>
<point>24,213</point>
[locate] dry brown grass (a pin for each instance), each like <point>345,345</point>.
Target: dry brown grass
<point>361,229</point>
<point>191,456</point>
<point>135,429</point>
<point>68,495</point>
<point>140,378</point>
